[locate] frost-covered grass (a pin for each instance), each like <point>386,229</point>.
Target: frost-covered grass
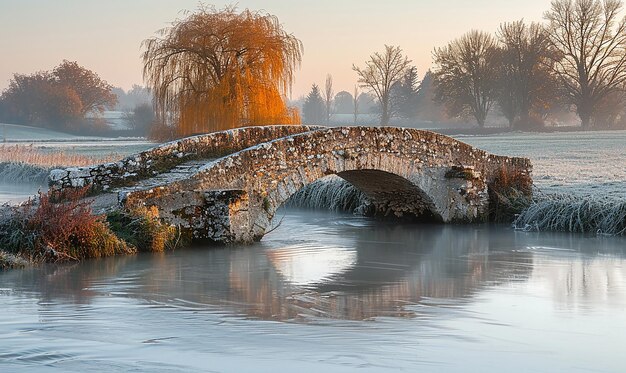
<point>10,261</point>
<point>15,132</point>
<point>590,163</point>
<point>330,193</point>
<point>23,173</point>
<point>568,213</point>
<point>580,179</point>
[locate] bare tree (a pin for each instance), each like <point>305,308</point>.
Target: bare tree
<point>591,41</point>
<point>466,75</point>
<point>328,97</point>
<point>380,73</point>
<point>355,97</point>
<point>527,85</point>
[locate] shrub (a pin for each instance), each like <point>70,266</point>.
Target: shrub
<point>142,229</point>
<point>58,227</point>
<point>509,195</point>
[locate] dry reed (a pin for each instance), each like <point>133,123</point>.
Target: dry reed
<point>33,155</point>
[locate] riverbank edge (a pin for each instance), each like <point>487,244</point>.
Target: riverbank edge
<point>541,213</point>
<point>51,228</point>
<point>487,131</point>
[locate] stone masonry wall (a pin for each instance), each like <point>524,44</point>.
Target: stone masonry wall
<point>164,157</point>
<point>443,176</point>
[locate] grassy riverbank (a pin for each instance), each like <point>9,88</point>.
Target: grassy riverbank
<point>45,230</point>
<point>55,228</point>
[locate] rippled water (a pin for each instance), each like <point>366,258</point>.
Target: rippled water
<point>328,292</point>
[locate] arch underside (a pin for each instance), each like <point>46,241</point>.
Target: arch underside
<point>388,195</point>
<point>392,195</point>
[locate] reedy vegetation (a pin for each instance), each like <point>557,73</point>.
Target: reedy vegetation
<point>541,212</point>
<point>50,230</point>
<point>566,213</point>
<point>60,226</point>
<point>33,155</point>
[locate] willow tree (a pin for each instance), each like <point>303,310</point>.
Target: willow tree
<point>220,69</point>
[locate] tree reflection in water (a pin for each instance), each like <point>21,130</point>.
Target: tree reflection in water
<point>319,266</point>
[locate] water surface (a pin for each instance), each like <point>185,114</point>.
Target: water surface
<point>13,193</point>
<point>328,292</point>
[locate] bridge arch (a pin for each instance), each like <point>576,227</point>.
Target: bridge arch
<point>404,172</point>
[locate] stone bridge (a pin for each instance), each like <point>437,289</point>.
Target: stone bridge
<point>227,186</point>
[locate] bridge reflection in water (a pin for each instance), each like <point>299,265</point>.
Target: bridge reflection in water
<point>324,266</point>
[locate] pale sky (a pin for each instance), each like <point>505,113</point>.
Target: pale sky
<point>105,36</point>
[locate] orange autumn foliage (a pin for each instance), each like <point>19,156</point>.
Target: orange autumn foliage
<point>220,69</point>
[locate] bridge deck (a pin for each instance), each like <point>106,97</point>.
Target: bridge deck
<point>177,173</point>
<point>107,201</point>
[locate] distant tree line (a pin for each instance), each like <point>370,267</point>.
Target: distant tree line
<point>575,61</point>
<point>527,73</point>
<point>392,90</point>
<point>137,109</point>
<point>127,100</point>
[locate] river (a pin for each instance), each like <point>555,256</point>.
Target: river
<point>333,293</point>
<point>340,293</point>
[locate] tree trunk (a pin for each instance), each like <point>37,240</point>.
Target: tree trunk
<point>584,113</point>
<point>524,121</point>
<point>384,115</point>
<point>384,118</point>
<point>480,119</point>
